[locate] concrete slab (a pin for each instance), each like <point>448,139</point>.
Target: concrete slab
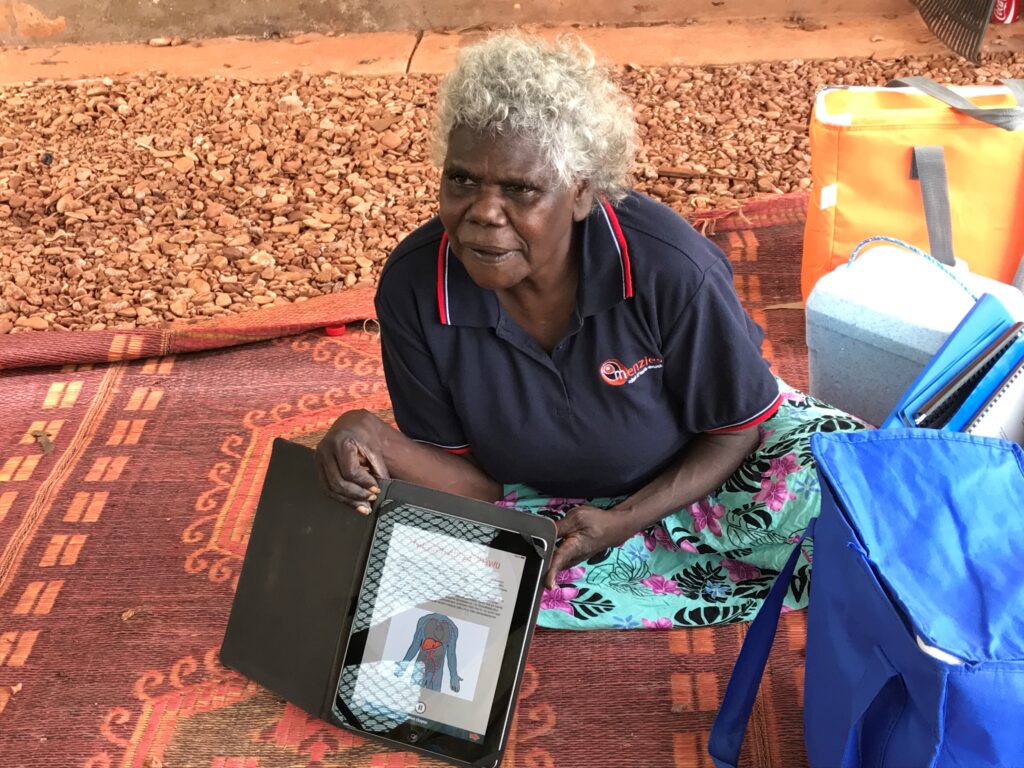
<point>389,53</point>
<point>727,41</point>
<point>106,21</point>
<point>367,54</point>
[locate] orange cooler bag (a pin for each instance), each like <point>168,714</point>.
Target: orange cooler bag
<point>883,158</point>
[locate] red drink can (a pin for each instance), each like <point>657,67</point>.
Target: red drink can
<point>1005,11</point>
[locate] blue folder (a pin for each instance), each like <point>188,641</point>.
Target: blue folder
<point>1007,363</point>
<point>986,321</point>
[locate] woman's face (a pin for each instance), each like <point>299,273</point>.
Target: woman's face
<point>507,216</point>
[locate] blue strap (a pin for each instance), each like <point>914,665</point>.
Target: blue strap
<point>733,716</point>
<point>877,673</point>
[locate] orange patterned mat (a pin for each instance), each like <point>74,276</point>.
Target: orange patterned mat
<point>130,466</point>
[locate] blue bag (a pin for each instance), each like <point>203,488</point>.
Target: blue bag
<point>915,638</point>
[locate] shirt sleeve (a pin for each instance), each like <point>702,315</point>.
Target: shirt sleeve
<point>714,366</point>
<point>422,403</point>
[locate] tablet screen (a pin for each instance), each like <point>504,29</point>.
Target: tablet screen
<point>436,627</point>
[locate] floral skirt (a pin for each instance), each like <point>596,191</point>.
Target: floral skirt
<point>712,562</point>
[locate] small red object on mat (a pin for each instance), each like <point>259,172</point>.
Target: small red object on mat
<point>335,330</point>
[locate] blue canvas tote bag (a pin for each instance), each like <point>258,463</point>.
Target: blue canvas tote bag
<point>915,637</point>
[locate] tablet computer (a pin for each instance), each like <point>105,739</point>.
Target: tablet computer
<point>409,625</point>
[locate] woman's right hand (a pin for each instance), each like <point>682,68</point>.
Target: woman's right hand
<point>350,459</point>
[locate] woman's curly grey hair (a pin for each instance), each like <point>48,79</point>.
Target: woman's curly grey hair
<point>555,95</point>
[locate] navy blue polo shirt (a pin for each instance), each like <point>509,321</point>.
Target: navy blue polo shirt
<point>658,350</point>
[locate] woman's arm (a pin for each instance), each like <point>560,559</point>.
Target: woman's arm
<point>707,462</point>
<point>359,449</point>
<point>701,467</point>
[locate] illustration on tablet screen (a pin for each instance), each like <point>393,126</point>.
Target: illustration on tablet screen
<point>436,651</point>
<point>435,642</point>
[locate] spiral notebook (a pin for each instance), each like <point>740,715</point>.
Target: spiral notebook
<point>984,325</point>
<point>937,412</point>
<point>1002,415</point>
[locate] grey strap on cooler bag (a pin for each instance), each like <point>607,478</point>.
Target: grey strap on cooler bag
<point>928,164</point>
<point>1007,118</point>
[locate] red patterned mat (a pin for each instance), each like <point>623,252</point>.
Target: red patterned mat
<point>127,488</point>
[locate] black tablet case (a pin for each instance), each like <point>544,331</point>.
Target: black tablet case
<point>302,572</point>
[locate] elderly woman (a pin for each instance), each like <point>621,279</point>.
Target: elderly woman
<point>556,343</point>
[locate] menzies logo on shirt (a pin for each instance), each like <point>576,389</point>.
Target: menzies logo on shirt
<point>616,374</point>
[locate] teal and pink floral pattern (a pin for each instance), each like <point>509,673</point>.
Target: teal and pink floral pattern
<point>714,561</point>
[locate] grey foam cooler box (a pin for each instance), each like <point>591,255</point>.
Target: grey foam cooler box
<point>873,325</point>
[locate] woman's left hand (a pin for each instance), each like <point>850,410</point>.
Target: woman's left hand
<point>584,532</point>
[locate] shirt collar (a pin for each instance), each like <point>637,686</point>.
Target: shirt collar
<point>606,276</point>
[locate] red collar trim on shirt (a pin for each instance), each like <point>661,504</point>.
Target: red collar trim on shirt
<point>620,244</point>
<point>442,280</point>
